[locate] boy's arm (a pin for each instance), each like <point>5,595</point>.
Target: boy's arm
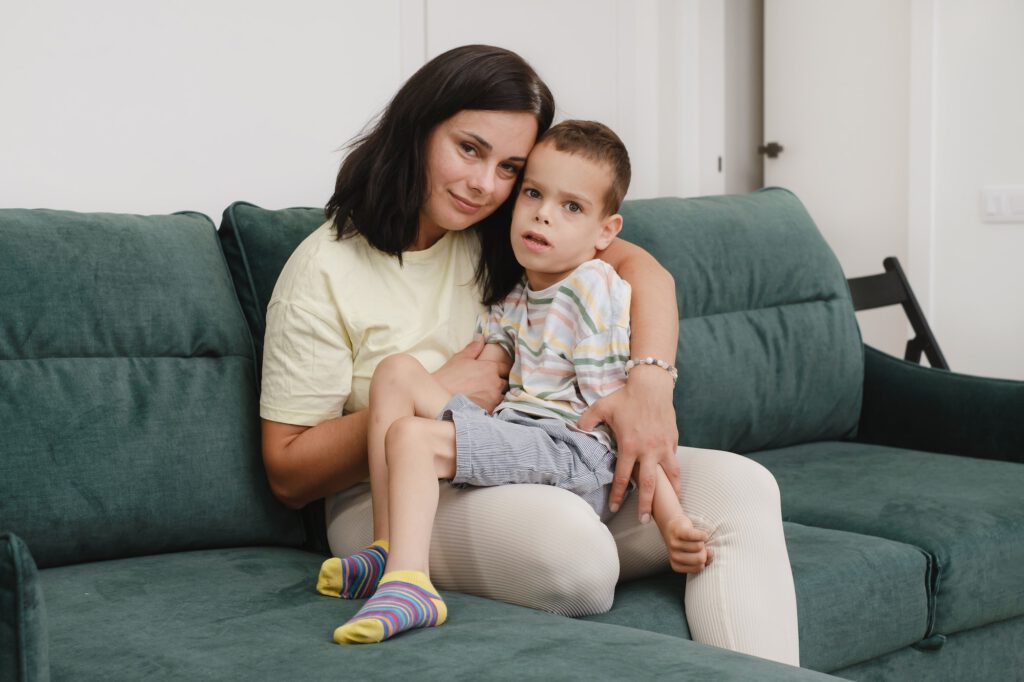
<point>665,505</point>
<point>687,548</point>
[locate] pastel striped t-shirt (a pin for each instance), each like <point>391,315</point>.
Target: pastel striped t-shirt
<point>569,343</point>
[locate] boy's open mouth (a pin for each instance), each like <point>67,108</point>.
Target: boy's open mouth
<point>535,241</point>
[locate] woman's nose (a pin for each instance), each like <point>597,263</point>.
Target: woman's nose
<point>482,181</point>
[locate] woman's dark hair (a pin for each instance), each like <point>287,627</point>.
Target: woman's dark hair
<point>382,183</point>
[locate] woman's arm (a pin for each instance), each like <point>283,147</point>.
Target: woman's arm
<point>305,463</point>
<point>641,415</point>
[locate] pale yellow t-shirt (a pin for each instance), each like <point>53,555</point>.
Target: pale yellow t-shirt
<point>340,307</point>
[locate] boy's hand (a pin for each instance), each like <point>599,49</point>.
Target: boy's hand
<point>687,548</point>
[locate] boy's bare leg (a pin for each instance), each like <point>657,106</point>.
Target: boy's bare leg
<point>687,552</point>
<point>419,451</point>
<point>400,387</point>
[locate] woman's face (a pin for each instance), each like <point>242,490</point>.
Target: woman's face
<point>473,159</point>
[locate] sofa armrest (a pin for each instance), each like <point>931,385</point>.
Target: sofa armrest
<point>911,406</point>
<point>23,637</point>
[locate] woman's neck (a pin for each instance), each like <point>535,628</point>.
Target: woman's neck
<point>426,236</point>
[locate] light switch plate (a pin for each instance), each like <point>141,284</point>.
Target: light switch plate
<point>1002,204</point>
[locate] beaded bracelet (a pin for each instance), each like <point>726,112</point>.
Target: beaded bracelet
<point>633,362</point>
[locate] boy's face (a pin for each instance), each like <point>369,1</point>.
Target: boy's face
<point>559,220</point>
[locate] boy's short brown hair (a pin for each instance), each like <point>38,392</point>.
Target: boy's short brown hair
<point>597,142</point>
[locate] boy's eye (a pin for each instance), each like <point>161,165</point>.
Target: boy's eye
<point>531,192</point>
<point>573,207</point>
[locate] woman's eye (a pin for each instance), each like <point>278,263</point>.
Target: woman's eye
<point>573,207</point>
<point>532,193</point>
<point>468,148</point>
<point>509,169</point>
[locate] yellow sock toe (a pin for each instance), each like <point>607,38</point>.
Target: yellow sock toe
<point>329,580</point>
<point>405,600</point>
<point>365,631</point>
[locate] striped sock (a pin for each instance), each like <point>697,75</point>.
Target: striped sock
<point>404,600</point>
<point>354,577</point>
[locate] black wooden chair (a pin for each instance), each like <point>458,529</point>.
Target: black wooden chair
<point>889,288</point>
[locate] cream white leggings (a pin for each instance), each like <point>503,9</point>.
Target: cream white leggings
<point>545,548</point>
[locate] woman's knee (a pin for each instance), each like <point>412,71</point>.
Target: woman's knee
<point>740,476</point>
<point>545,547</point>
<point>580,580</point>
<point>755,483</point>
<point>576,554</point>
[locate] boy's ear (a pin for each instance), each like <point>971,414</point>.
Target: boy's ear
<point>609,231</point>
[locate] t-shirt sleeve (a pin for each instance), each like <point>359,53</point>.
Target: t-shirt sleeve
<point>602,340</point>
<point>307,366</point>
<point>494,327</point>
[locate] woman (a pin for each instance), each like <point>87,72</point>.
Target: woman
<point>416,238</point>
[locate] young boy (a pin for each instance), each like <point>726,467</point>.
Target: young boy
<point>563,333</point>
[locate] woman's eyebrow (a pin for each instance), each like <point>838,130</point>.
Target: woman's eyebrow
<point>488,146</point>
<point>483,143</point>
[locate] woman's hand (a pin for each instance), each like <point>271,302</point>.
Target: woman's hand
<point>482,381</point>
<point>644,423</point>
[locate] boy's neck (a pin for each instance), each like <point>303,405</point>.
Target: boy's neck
<point>539,281</point>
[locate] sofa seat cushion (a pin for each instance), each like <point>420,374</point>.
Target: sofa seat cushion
<point>965,513</point>
<point>252,613</point>
<point>858,597</point>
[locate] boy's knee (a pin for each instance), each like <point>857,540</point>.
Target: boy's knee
<point>403,433</point>
<point>395,368</point>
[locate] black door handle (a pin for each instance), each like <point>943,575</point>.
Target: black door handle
<point>771,150</point>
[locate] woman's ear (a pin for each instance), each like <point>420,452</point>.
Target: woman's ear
<point>609,231</point>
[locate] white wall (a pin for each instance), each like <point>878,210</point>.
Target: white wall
<point>653,70</point>
<point>164,105</point>
<point>977,298</point>
<point>152,107</point>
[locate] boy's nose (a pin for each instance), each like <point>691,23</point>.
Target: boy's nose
<point>540,219</point>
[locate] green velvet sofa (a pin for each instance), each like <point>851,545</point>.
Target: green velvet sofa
<point>139,538</point>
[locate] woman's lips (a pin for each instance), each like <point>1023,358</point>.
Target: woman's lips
<point>464,205</point>
<point>534,242</point>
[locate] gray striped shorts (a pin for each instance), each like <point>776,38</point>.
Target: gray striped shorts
<point>512,447</point>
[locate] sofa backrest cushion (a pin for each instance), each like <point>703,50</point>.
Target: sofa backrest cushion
<point>257,243</point>
<point>128,405</point>
<point>769,352</point>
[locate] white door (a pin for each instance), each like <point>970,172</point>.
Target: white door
<point>836,98</point>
